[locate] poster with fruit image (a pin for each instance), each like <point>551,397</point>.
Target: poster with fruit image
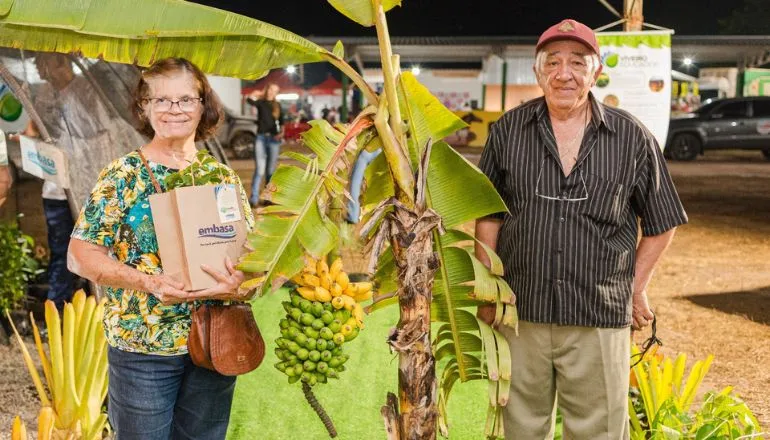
<point>636,76</point>
<point>13,118</point>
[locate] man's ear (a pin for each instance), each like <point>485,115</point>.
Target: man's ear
<point>596,75</point>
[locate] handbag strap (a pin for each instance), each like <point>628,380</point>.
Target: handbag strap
<point>149,170</point>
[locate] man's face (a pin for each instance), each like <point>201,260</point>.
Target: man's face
<point>53,67</point>
<point>567,73</point>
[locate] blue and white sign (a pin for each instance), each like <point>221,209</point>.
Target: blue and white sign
<point>44,161</point>
<point>3,150</point>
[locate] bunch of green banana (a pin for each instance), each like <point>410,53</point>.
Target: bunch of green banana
<point>322,314</point>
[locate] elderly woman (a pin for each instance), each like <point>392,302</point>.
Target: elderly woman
<point>155,391</point>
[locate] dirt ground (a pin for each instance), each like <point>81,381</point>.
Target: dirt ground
<point>711,291</point>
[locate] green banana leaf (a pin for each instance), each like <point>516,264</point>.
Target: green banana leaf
<point>297,223</point>
<point>142,31</point>
<point>362,11</point>
<point>430,119</point>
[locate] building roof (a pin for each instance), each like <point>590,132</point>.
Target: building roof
<point>705,50</point>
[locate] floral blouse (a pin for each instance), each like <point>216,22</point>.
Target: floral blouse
<point>117,216</point>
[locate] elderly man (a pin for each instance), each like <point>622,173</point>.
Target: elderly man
<point>576,176</point>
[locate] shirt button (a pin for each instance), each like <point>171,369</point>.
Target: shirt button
<point>562,219</point>
<point>558,282</point>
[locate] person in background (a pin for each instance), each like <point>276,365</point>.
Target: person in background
<point>56,70</point>
<point>267,145</point>
<point>155,391</point>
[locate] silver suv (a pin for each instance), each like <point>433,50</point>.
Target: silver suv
<point>238,134</point>
<point>733,123</point>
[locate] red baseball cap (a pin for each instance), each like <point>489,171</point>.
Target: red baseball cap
<point>569,29</point>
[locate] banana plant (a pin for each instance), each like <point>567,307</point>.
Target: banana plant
<point>74,369</point>
<point>662,402</point>
<point>45,426</point>
<point>422,190</point>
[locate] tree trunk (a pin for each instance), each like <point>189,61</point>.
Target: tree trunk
<point>412,246</point>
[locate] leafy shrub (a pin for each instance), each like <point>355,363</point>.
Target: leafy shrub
<point>18,266</point>
<point>662,403</point>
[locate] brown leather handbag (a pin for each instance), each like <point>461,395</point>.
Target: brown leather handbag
<point>223,338</point>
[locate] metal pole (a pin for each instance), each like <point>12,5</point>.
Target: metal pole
<point>483,97</point>
<point>504,85</point>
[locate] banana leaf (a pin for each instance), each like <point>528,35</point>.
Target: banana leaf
<point>142,31</point>
<point>297,223</point>
<point>75,368</point>
<point>430,119</point>
<point>362,11</point>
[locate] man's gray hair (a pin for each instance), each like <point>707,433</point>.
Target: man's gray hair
<point>541,55</point>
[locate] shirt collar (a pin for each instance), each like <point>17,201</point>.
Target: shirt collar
<point>599,114</point>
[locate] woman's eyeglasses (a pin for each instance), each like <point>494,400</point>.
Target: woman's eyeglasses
<point>186,104</point>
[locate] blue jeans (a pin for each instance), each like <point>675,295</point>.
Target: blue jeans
<point>266,150</point>
<point>58,219</point>
<point>356,179</point>
<point>166,397</point>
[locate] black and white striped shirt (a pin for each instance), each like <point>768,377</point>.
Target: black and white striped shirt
<point>571,261</point>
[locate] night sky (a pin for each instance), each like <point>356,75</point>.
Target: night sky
<point>481,17</point>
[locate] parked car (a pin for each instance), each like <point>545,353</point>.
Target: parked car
<point>238,133</point>
<point>733,123</point>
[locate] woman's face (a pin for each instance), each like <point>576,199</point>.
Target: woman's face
<point>173,105</point>
<point>272,92</point>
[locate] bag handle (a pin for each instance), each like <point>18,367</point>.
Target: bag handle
<point>149,170</point>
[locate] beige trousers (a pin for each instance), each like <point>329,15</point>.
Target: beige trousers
<point>587,368</point>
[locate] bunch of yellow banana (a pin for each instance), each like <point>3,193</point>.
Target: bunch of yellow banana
<point>322,314</point>
<point>323,283</point>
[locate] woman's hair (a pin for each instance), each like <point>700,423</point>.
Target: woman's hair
<point>212,108</point>
<point>276,104</point>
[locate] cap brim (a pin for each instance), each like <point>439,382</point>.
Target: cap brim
<point>566,37</point>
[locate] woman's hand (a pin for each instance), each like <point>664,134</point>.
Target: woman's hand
<point>167,290</point>
<point>228,285</point>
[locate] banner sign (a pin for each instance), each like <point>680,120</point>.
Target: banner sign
<point>637,76</point>
<point>44,161</point>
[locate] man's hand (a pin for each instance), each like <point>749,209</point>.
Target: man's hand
<point>642,315</point>
<point>486,313</point>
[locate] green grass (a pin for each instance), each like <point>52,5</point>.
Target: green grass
<point>266,407</point>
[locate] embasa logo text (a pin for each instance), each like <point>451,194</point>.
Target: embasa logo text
<point>214,231</point>
<point>48,165</point>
